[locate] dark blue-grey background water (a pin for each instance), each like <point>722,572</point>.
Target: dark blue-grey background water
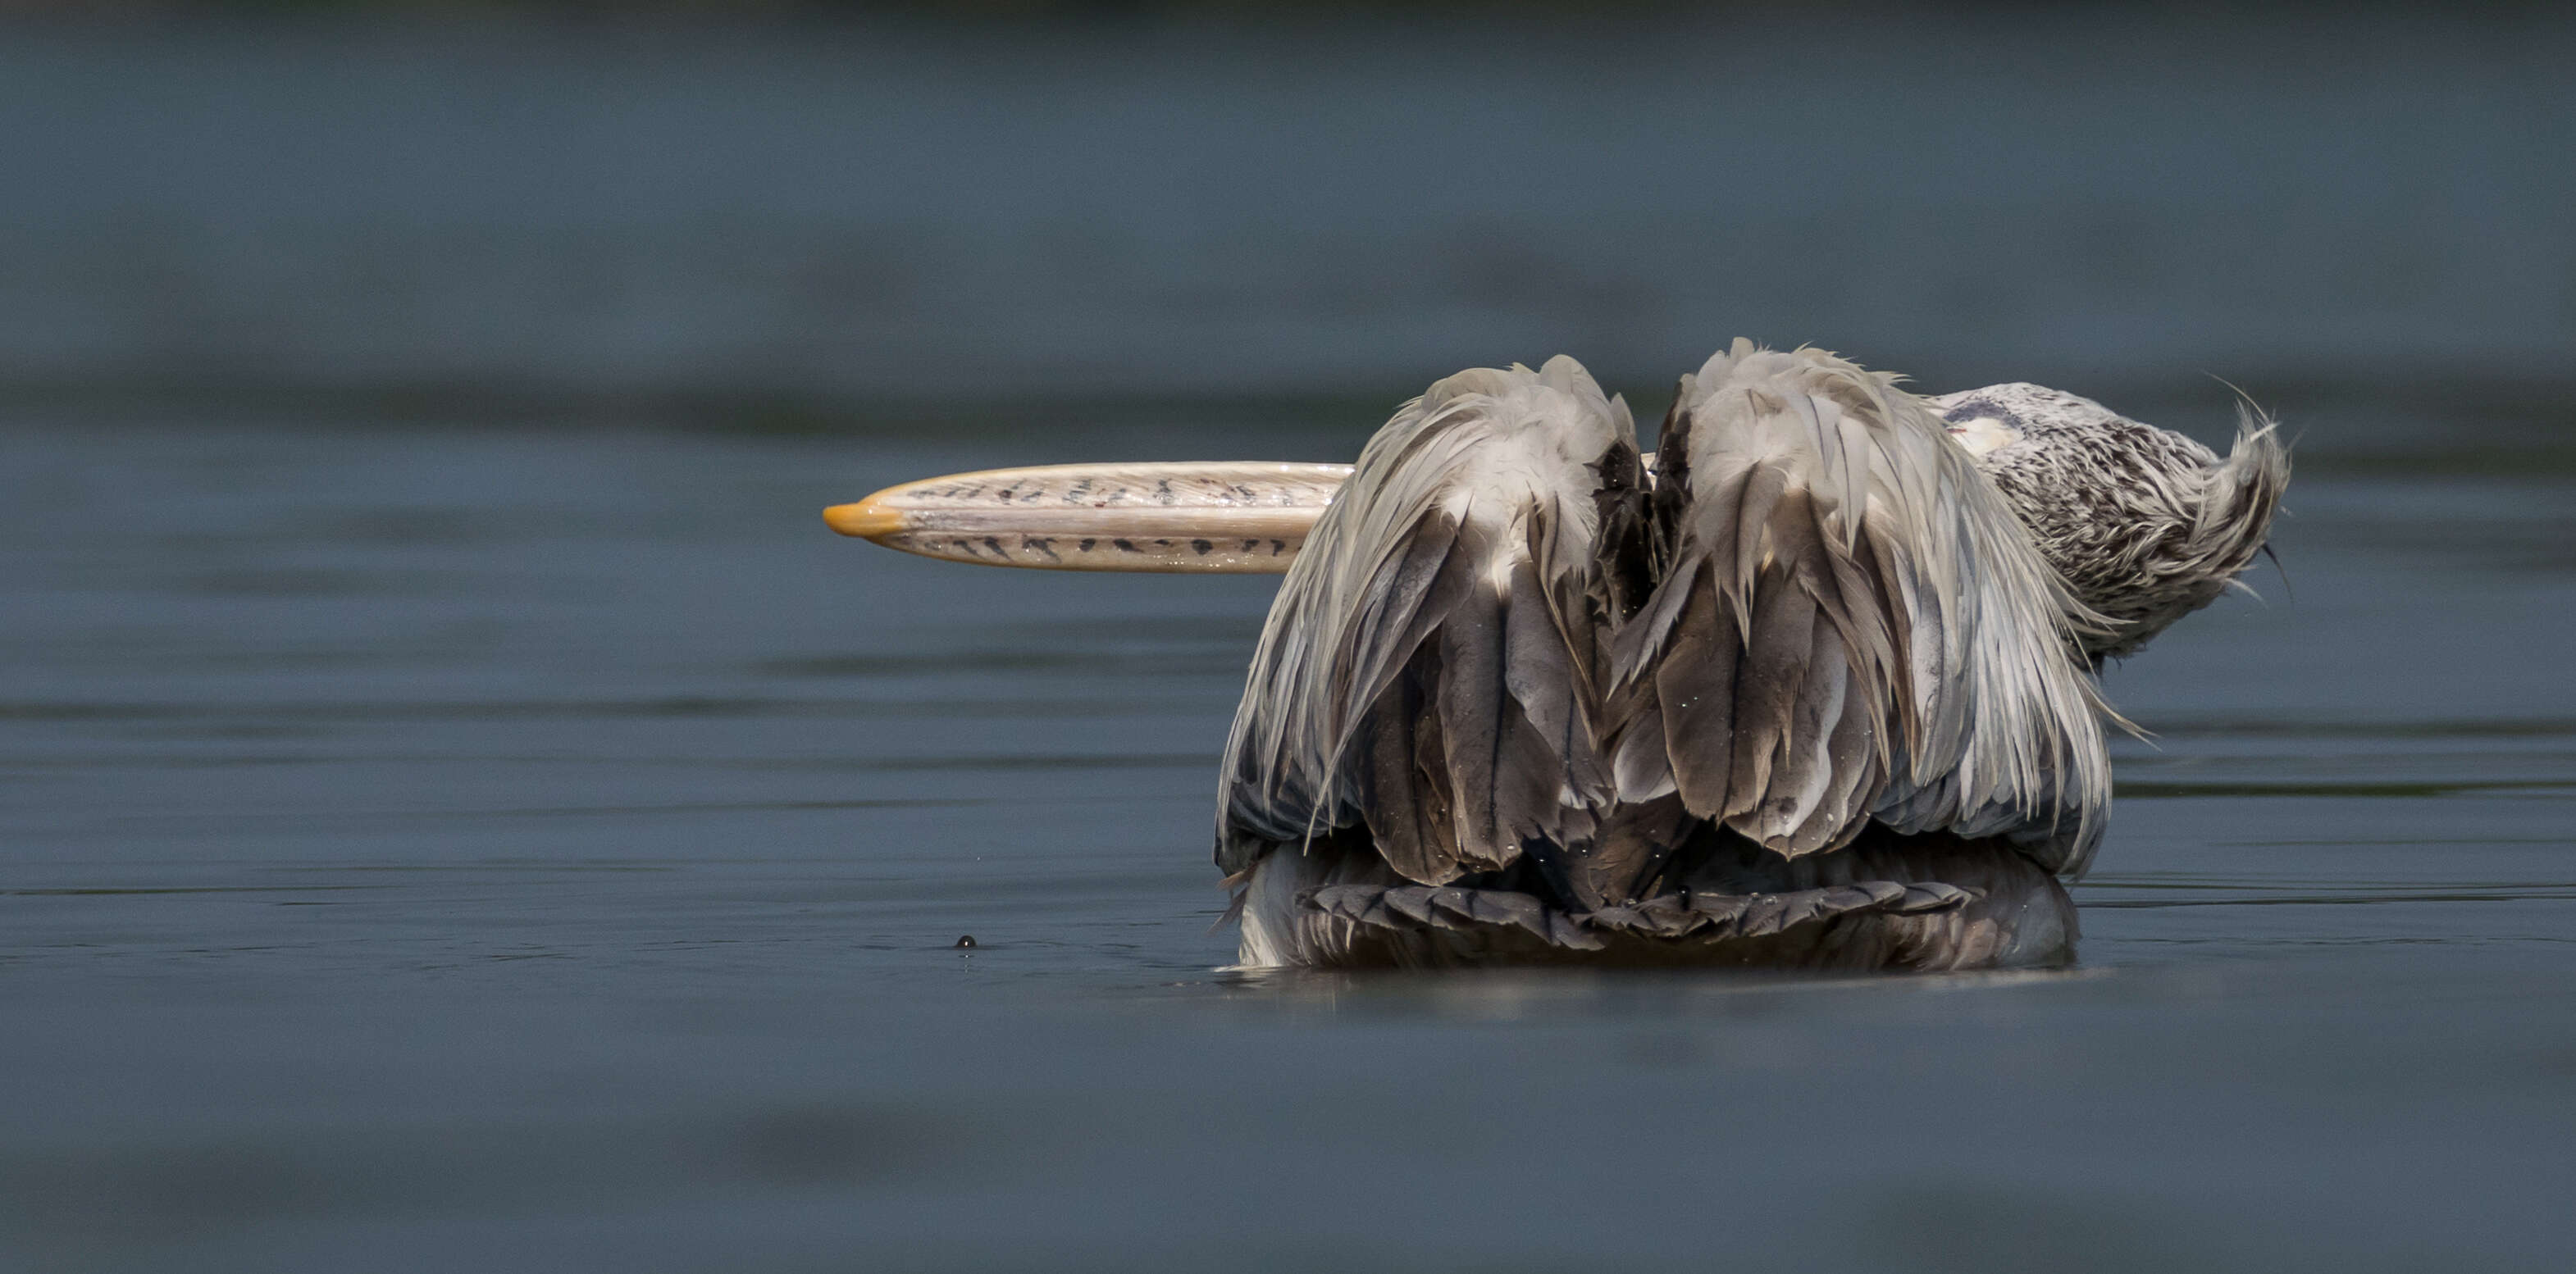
<point>459,810</point>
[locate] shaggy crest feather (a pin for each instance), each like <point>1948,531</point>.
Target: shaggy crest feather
<point>2145,525</point>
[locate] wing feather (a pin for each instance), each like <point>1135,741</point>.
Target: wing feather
<point>1852,626</point>
<point>1429,666</point>
<point>1500,644</point>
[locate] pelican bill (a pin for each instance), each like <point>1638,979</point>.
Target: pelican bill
<point>1200,517</point>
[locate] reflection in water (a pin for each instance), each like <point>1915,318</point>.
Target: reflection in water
<point>2526,787</point>
<point>1624,997</point>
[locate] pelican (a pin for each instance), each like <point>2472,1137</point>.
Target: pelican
<point>1810,686</point>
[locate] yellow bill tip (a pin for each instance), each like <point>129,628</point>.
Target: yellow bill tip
<point>869,519</point>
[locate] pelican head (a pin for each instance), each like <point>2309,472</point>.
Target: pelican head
<point>2145,525</point>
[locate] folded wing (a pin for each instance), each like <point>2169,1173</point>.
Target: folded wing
<point>1428,672</point>
<point>1848,625</point>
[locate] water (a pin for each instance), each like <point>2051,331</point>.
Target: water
<point>2116,198</point>
<point>460,810</point>
<point>432,848</point>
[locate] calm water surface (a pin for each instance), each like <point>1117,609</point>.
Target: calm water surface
<point>435,849</point>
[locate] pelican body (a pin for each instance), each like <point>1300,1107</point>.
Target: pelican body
<point>1807,687</point>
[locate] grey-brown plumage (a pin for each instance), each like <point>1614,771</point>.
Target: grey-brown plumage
<point>1810,692</point>
<point>2145,525</point>
<point>1431,668</point>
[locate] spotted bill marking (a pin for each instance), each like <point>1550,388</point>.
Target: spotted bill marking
<point>1231,517</point>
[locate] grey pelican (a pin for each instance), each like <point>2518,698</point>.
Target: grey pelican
<point>1810,686</point>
